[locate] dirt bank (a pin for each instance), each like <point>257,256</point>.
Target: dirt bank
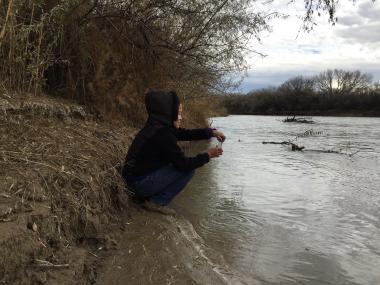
<point>158,249</point>
<point>60,189</point>
<point>65,217</point>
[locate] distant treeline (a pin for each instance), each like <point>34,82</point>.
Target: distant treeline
<point>332,92</point>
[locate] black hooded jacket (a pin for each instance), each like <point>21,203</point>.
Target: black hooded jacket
<point>155,145</point>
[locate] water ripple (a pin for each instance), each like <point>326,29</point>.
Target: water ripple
<point>289,217</point>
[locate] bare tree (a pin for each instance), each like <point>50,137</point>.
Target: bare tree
<point>352,81</point>
<point>298,84</point>
<point>338,82</point>
<point>204,41</point>
<point>324,82</point>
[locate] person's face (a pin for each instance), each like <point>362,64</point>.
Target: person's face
<point>177,123</point>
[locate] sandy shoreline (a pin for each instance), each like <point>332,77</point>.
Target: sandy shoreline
<point>159,249</point>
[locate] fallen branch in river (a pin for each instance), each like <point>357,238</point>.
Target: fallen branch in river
<point>296,147</point>
<point>293,119</point>
<point>293,145</point>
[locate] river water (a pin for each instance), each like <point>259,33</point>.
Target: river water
<point>285,217</point>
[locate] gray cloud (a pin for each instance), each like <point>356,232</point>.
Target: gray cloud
<point>362,26</point>
<point>349,20</point>
<point>263,79</point>
<point>369,33</point>
<point>312,49</point>
<point>369,10</point>
<point>308,56</point>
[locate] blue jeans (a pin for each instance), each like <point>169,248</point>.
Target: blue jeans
<point>162,185</point>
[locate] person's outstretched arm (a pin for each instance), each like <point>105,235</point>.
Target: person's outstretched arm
<point>198,134</point>
<point>173,154</point>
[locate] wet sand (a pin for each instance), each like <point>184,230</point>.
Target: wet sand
<point>160,249</point>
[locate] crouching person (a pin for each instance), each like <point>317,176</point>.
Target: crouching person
<point>156,169</point>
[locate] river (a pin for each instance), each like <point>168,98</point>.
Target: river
<point>289,217</point>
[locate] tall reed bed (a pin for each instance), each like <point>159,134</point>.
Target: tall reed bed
<point>28,38</point>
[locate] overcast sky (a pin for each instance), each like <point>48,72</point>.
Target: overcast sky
<point>353,43</point>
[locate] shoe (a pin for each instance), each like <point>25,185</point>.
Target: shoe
<point>138,200</point>
<point>153,207</point>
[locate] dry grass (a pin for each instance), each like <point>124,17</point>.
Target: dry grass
<point>70,164</point>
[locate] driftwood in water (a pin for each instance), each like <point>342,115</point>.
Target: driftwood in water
<point>334,151</point>
<point>294,146</point>
<point>325,151</point>
<point>287,143</point>
<point>293,119</point>
<point>302,148</point>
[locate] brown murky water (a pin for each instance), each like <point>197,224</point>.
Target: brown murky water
<point>287,217</point>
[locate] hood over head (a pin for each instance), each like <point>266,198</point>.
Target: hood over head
<point>162,106</point>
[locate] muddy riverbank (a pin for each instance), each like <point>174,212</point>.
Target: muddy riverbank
<point>159,249</point>
<point>65,217</point>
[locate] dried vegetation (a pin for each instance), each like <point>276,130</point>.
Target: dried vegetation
<point>107,54</point>
<point>59,180</point>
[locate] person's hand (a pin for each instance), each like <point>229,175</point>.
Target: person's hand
<point>214,152</point>
<point>219,135</point>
